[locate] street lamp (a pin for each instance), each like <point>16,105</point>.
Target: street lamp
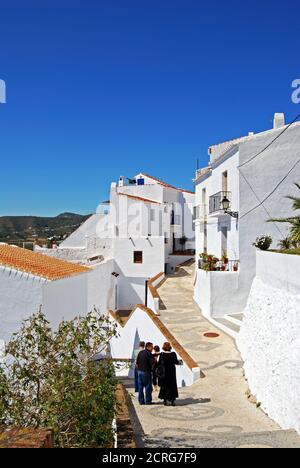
<point>225,207</point>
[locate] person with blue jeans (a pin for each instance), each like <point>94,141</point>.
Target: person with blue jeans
<point>145,363</point>
<point>135,355</point>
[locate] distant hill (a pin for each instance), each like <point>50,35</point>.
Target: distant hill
<point>13,228</point>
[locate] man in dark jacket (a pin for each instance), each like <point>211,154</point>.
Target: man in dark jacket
<point>144,363</point>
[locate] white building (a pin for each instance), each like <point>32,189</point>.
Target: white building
<point>146,228</point>
<point>254,174</point>
<point>63,290</point>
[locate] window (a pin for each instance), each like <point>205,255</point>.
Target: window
<point>138,256</point>
<point>152,215</point>
<point>225,181</point>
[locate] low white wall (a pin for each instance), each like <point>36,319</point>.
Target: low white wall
<point>74,255</point>
<point>153,302</point>
<point>21,295</point>
<point>269,339</point>
<point>140,327</point>
<point>174,260</point>
<point>216,293</point>
<point>154,299</point>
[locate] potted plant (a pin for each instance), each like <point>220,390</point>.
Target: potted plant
<point>263,242</point>
<point>224,257</point>
<point>208,262</point>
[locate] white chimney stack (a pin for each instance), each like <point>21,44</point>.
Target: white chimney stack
<point>279,121</point>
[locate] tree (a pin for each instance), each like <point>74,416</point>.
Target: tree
<point>49,379</point>
<point>293,221</point>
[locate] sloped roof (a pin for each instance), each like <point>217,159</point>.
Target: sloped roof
<point>38,264</point>
<point>134,197</point>
<point>165,184</point>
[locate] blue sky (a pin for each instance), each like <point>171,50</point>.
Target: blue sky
<point>100,88</point>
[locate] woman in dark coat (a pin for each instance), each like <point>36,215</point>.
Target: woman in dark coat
<point>168,384</point>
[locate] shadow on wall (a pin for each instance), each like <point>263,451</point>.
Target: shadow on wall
<point>131,290</point>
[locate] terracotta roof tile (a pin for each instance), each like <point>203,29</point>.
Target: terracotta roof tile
<point>37,264</point>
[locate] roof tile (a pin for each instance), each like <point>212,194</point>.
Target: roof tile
<point>38,264</point>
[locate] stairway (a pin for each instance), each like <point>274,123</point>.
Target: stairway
<point>230,324</point>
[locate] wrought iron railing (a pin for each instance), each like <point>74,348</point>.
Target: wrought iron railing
<point>220,265</point>
<point>215,201</point>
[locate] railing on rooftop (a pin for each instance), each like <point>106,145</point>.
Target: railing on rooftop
<point>215,201</point>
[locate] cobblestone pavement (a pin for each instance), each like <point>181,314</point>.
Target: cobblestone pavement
<point>214,412</point>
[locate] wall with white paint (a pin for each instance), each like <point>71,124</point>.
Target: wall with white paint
<point>215,221</point>
<point>215,293</point>
<point>141,327</point>
<point>269,339</point>
<point>88,228</point>
<point>101,287</point>
<point>131,282</point>
<point>66,298</point>
<point>21,295</point>
<point>259,179</point>
<point>264,173</point>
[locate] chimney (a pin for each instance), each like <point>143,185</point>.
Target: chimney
<point>279,121</point>
<point>121,181</point>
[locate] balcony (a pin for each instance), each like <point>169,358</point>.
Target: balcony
<point>218,265</point>
<point>215,201</point>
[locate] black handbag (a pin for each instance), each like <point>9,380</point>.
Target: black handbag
<point>161,370</point>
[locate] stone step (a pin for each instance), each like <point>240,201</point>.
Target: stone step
<point>237,319</point>
<point>227,326</point>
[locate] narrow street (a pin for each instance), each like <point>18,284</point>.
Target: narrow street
<point>215,411</point>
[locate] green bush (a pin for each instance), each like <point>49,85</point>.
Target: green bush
<point>208,262</point>
<point>263,242</point>
<point>49,380</point>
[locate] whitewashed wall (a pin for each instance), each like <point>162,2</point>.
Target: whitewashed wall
<point>88,228</point>
<point>141,327</point>
<point>264,173</point>
<point>213,184</point>
<point>74,255</point>
<point>131,282</point>
<point>269,339</point>
<point>101,284</point>
<point>215,293</point>
<point>66,298</point>
<point>21,295</point>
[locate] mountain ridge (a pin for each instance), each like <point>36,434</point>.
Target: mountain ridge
<point>24,227</point>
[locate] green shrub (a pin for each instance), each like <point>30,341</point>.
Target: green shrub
<point>208,262</point>
<point>263,242</point>
<point>49,380</point>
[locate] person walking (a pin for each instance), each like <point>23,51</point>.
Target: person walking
<point>167,375</point>
<point>156,356</point>
<point>135,355</point>
<point>145,362</point>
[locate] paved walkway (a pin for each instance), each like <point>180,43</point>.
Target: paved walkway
<point>214,412</point>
